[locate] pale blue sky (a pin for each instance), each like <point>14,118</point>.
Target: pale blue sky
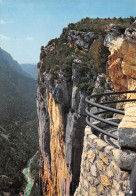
<point>26,25</point>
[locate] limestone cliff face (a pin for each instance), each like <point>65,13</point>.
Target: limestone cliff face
<point>122,73</point>
<point>122,60</point>
<point>122,67</point>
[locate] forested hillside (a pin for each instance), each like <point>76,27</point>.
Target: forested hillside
<point>31,69</point>
<point>18,123</point>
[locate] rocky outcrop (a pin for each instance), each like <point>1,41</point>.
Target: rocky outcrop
<point>122,73</point>
<point>122,60</point>
<point>79,39</point>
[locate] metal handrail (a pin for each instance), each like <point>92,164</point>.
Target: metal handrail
<point>111,93</point>
<point>101,119</point>
<point>100,130</point>
<point>105,109</point>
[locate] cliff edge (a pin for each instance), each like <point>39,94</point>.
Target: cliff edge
<point>71,67</point>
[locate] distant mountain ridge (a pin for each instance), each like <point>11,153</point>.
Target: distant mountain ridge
<point>7,60</point>
<point>15,83</point>
<point>31,69</point>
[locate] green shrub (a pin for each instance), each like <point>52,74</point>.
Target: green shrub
<point>86,87</point>
<point>99,25</point>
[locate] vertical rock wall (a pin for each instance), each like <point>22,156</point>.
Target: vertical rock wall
<point>60,176</point>
<point>61,130</point>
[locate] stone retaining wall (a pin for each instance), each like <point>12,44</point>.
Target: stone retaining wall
<point>100,173</point>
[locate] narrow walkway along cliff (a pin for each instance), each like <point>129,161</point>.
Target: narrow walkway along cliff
<point>73,161</point>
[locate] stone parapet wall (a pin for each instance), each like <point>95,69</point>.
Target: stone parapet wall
<point>100,173</point>
<point>127,127</point>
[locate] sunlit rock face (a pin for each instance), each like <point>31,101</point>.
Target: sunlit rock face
<point>60,176</point>
<point>122,60</point>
